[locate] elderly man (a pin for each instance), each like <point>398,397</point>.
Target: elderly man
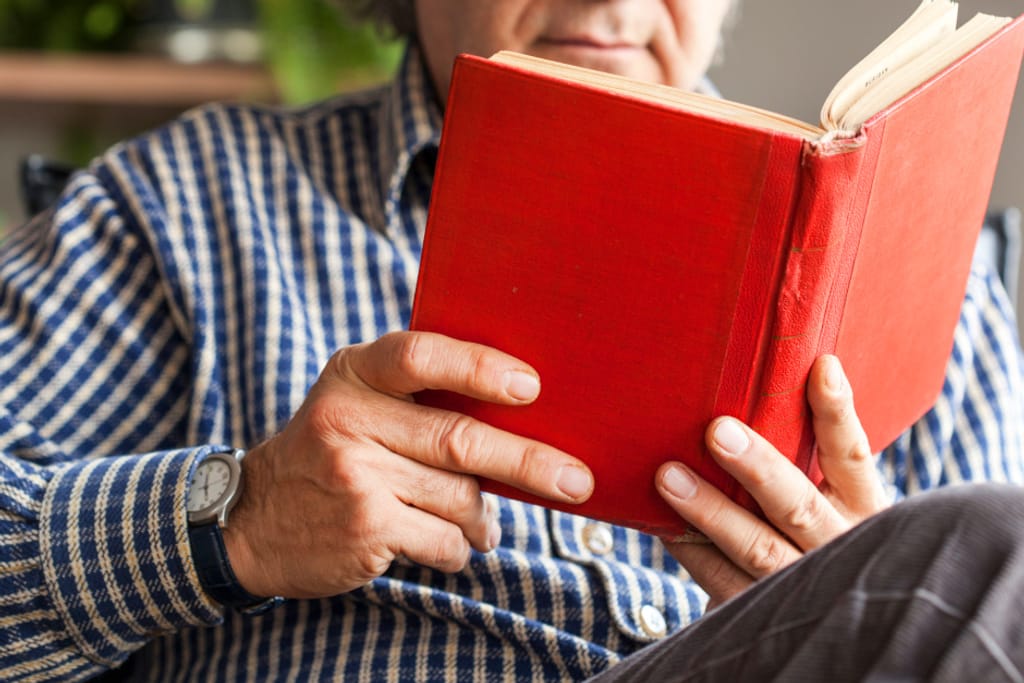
<point>283,246</point>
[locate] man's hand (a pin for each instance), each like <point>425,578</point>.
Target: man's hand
<point>744,548</point>
<point>362,474</point>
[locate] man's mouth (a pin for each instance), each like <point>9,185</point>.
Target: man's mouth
<point>588,42</point>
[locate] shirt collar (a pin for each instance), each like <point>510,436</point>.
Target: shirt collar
<point>411,123</point>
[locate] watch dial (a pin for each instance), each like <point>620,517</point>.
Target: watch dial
<point>209,484</point>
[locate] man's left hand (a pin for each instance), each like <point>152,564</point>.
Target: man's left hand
<point>799,515</point>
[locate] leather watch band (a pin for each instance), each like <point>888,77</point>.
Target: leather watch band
<point>215,573</point>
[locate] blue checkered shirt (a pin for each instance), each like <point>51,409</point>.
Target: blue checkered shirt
<point>184,296</point>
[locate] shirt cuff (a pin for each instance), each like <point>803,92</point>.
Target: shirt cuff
<point>116,555</point>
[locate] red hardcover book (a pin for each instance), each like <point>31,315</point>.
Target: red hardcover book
<point>661,261</point>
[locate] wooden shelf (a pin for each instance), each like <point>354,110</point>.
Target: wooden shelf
<point>129,79</point>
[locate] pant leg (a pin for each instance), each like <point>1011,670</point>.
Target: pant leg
<point>932,589</point>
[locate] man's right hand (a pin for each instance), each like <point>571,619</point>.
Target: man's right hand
<point>362,474</point>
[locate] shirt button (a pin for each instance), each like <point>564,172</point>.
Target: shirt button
<point>598,538</point>
<point>652,621</point>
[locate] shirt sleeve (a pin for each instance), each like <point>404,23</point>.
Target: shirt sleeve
<point>94,554</point>
<point>975,431</point>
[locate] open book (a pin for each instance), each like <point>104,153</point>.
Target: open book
<point>663,258</point>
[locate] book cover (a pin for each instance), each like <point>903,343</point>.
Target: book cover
<point>660,267</point>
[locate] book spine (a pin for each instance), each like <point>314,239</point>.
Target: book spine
<point>827,203</point>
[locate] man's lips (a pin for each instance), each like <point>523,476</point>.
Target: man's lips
<point>588,42</point>
<point>604,53</point>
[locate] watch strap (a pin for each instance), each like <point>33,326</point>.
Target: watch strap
<point>216,576</point>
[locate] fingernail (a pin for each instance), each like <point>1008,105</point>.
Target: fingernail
<point>494,523</point>
<point>521,386</point>
<point>834,375</point>
<point>494,534</point>
<point>679,482</point>
<point>730,437</point>
<point>574,482</point>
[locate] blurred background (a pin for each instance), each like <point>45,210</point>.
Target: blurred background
<point>77,75</point>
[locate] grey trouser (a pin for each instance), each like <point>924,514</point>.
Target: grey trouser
<point>932,589</point>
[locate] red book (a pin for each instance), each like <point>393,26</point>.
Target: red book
<point>662,258</point>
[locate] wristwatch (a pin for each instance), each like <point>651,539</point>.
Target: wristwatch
<point>214,490</point>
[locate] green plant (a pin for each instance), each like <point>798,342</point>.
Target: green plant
<point>312,47</point>
<point>67,25</point>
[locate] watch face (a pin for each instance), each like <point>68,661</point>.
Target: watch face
<point>209,485</point>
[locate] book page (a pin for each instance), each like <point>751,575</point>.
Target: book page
<point>662,94</point>
<point>931,22</point>
<point>898,83</point>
